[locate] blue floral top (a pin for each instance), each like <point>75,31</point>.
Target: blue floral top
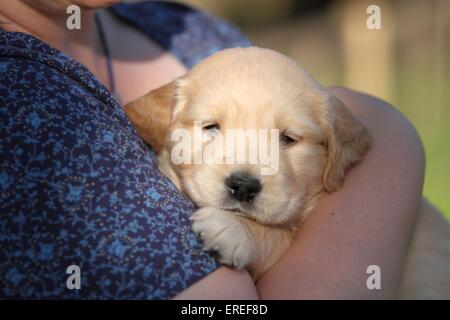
<point>78,186</point>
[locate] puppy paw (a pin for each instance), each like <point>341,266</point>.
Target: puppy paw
<point>223,234</point>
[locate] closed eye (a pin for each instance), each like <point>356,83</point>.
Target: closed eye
<point>287,139</point>
<point>213,126</point>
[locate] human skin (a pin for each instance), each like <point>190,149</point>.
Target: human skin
<point>369,221</point>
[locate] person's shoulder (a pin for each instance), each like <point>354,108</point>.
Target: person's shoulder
<point>188,33</point>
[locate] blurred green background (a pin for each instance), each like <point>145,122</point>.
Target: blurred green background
<point>405,63</point>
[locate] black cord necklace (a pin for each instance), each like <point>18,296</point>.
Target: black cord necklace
<point>107,53</point>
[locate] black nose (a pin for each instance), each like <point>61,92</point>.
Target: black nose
<point>242,186</point>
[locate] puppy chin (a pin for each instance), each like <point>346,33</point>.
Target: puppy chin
<point>283,212</point>
<point>280,215</point>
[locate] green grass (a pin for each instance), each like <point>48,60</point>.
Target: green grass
<point>424,99</point>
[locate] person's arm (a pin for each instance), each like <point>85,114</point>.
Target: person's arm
<point>223,284</point>
<point>368,222</point>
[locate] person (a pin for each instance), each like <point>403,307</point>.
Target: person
<point>78,186</point>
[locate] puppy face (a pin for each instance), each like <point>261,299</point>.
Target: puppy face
<point>248,91</point>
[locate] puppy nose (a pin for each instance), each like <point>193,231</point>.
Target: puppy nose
<point>242,186</point>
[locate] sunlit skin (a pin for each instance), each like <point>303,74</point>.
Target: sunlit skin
<point>138,67</point>
<point>381,218</point>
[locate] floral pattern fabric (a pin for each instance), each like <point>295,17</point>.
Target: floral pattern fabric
<point>78,186</point>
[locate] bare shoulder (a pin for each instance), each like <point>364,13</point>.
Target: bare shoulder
<point>139,63</point>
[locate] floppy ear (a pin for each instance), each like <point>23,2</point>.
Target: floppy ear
<point>347,140</point>
<point>151,115</point>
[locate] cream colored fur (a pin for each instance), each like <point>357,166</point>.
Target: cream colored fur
<point>256,88</point>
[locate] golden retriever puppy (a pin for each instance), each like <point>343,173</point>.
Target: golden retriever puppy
<point>249,210</point>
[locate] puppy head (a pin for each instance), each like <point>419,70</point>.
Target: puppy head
<point>252,90</point>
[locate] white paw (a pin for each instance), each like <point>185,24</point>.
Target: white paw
<point>223,233</point>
